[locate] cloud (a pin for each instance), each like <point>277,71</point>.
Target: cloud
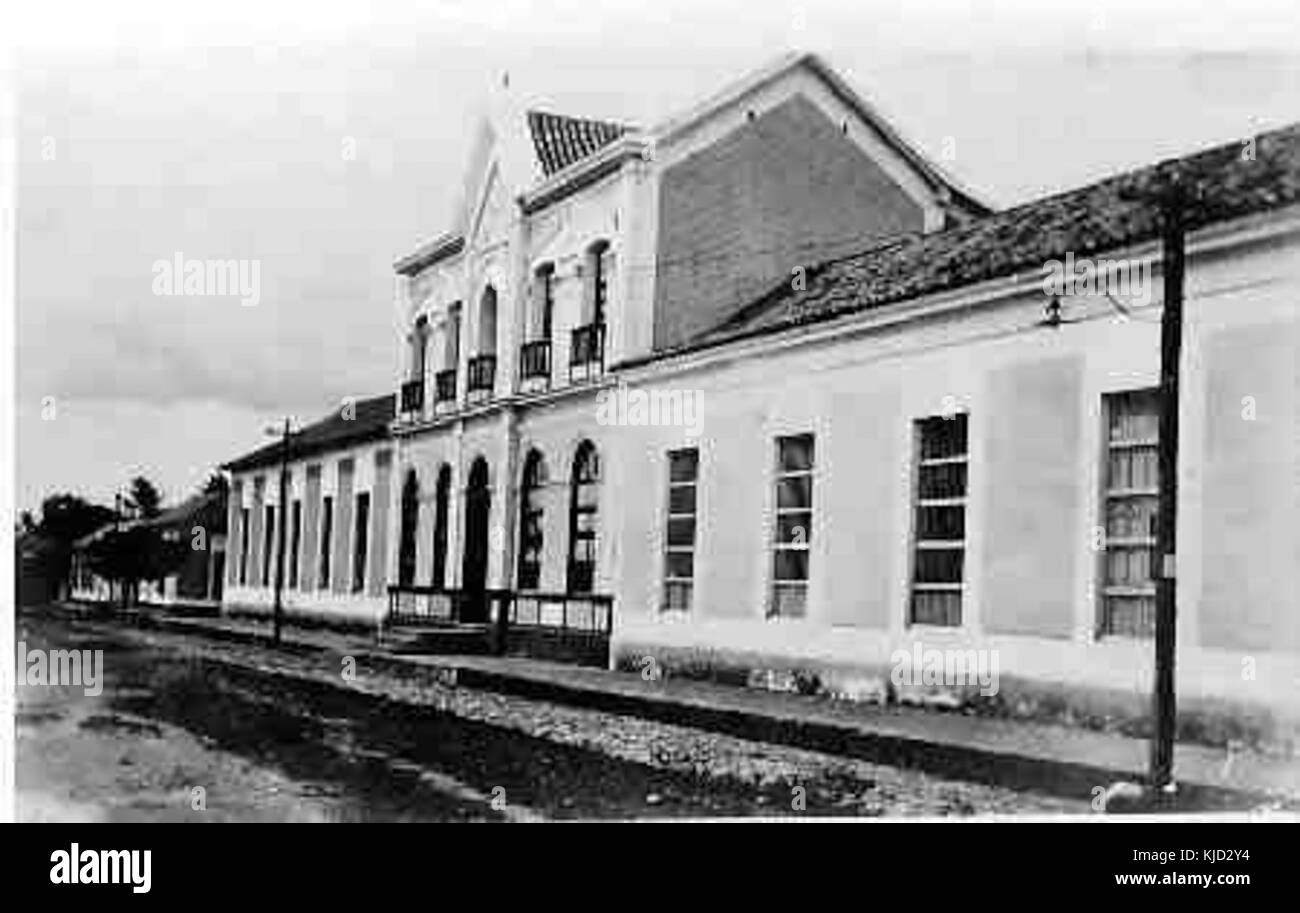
<point>230,152</point>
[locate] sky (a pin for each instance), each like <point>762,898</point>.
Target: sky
<point>323,140</point>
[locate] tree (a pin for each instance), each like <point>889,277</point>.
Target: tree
<point>139,552</point>
<point>65,518</point>
<point>216,484</point>
<point>145,497</point>
<point>68,517</point>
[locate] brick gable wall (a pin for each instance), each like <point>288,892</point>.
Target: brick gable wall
<point>784,190</point>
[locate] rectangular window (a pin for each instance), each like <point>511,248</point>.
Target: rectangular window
<point>359,553</point>
<point>939,534</point>
<point>295,541</point>
<point>326,534</point>
<point>679,538</point>
<point>243,546</point>
<point>792,531</point>
<point>1131,505</point>
<point>269,544</point>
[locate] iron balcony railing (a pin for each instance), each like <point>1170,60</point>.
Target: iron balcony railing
<point>502,613</point>
<point>444,383</point>
<point>587,351</point>
<point>482,375</point>
<point>414,604</point>
<point>582,612</point>
<point>535,360</point>
<point>413,396</point>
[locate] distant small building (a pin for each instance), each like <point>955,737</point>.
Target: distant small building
<point>84,585</point>
<point>200,521</point>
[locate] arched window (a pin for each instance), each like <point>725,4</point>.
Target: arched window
<point>442,502</point>
<point>545,300</point>
<point>419,347</point>
<point>584,500</point>
<point>600,266</point>
<point>487,322</point>
<point>410,523</point>
<point>530,522</point>
<point>451,339</point>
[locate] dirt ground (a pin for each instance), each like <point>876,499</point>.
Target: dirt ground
<point>275,736</point>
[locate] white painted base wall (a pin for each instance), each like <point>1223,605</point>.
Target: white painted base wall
<point>323,606</point>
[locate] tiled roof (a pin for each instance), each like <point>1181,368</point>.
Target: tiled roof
<point>369,422</point>
<point>103,531</point>
<point>560,141</point>
<point>206,509</point>
<point>1095,219</point>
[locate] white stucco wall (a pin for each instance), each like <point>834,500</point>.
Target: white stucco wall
<point>309,598</point>
<point>861,395</point>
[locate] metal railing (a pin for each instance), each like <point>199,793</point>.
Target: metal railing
<point>414,604</point>
<point>586,612</point>
<point>413,396</point>
<point>504,614</point>
<point>444,383</point>
<point>535,360</point>
<point>482,375</point>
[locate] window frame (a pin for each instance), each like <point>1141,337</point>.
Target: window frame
<point>668,580</point>
<point>360,541</point>
<point>600,276</point>
<point>268,541</point>
<point>585,457</point>
<point>244,535</point>
<point>295,540</point>
<point>775,545</point>
<point>1142,632</point>
<point>325,571</point>
<point>532,534</point>
<point>545,278</point>
<point>919,543</point>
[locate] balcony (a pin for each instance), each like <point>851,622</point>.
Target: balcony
<point>482,377</point>
<point>535,365</point>
<point>444,393</point>
<point>412,397</point>
<point>587,352</point>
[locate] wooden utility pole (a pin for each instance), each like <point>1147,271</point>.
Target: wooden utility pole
<point>1173,201</point>
<point>117,528</point>
<point>279,550</point>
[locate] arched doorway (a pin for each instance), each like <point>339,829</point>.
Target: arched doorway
<point>478,507</point>
<point>441,508</point>
<point>410,523</point>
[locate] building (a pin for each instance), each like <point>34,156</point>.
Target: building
<point>194,529</point>
<point>761,388</point>
<point>338,484</point>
